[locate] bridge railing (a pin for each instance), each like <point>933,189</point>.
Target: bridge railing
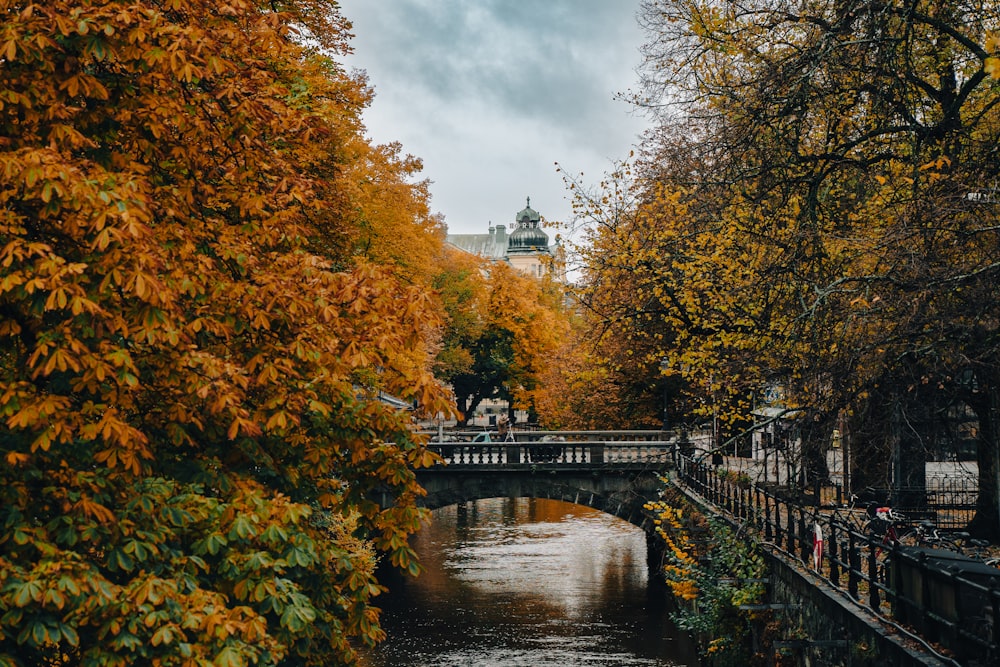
<point>555,453</point>
<point>637,435</point>
<point>951,599</point>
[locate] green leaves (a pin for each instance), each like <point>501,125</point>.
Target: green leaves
<point>718,569</point>
<point>298,615</point>
<point>242,528</point>
<point>229,657</point>
<point>38,612</point>
<point>24,593</point>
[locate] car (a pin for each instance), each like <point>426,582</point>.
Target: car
<point>477,441</point>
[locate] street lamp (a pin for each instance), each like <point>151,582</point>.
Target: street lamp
<point>664,367</point>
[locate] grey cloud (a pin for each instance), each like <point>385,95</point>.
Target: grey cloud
<point>490,81</point>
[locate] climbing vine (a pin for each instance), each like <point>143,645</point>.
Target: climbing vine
<point>712,571</point>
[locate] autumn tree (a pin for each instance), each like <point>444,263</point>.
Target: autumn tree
<point>864,133</point>
<point>535,310</point>
<point>816,210</point>
<point>460,283</point>
<point>609,368</point>
<point>392,224</point>
<point>578,394</point>
<point>502,330</point>
<point>195,468</point>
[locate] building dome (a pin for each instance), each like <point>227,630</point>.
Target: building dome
<point>527,216</point>
<point>528,235</point>
<point>528,238</point>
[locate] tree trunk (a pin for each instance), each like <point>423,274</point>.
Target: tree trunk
<point>910,426</point>
<point>986,522</point>
<point>462,403</point>
<point>870,446</point>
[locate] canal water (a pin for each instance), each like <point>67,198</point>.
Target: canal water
<point>528,583</point>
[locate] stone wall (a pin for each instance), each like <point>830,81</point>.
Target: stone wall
<point>823,627</point>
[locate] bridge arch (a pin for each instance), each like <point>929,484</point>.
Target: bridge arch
<point>619,493</point>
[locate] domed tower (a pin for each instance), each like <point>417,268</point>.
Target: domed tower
<point>528,244</point>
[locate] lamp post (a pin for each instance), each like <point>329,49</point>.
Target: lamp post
<point>664,367</point>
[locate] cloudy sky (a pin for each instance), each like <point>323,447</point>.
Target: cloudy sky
<point>491,94</point>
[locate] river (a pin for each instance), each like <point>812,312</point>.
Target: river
<point>528,583</point>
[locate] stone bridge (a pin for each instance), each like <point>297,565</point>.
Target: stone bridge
<point>612,471</point>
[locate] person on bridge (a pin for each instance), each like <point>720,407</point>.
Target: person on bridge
<point>503,425</point>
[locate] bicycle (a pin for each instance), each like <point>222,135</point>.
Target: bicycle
<point>851,516</point>
<point>927,534</point>
<point>977,549</point>
<point>865,526</point>
<point>886,529</point>
<point>889,525</point>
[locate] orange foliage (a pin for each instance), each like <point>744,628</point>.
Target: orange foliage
<point>502,334</point>
<point>192,339</point>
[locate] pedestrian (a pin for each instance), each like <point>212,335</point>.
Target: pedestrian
<point>503,425</point>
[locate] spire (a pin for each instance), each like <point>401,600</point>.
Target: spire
<point>527,217</point>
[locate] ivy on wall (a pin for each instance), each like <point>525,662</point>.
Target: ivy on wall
<point>712,571</point>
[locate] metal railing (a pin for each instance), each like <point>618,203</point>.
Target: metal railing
<point>944,597</point>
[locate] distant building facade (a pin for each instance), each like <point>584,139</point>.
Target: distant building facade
<point>526,248</point>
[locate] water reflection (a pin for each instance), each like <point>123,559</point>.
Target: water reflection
<point>519,582</point>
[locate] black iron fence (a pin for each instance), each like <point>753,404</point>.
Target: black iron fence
<point>950,502</point>
<point>519,434</point>
<point>948,598</point>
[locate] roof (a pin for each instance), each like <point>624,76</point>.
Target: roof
<point>528,239</point>
<point>527,212</point>
<point>772,412</point>
<point>492,245</point>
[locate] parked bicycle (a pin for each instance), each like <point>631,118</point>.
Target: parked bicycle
<point>853,516</point>
<point>884,528</point>
<point>981,552</point>
<point>972,547</point>
<point>927,534</point>
<point>876,527</point>
<point>849,517</point>
<point>886,525</point>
